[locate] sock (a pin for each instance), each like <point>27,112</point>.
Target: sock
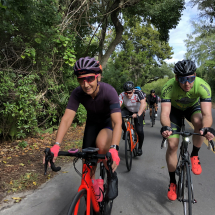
<point>172,177</point>
<point>195,151</point>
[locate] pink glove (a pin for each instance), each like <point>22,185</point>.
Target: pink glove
<point>55,149</point>
<point>115,155</point>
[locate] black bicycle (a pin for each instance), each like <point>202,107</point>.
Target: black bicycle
<point>183,171</point>
<point>85,201</point>
<point>153,116</point>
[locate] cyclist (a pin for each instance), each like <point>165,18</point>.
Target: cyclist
<point>152,101</point>
<point>134,101</point>
<point>189,96</point>
<point>139,88</point>
<point>103,109</point>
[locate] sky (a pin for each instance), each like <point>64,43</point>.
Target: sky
<point>179,34</point>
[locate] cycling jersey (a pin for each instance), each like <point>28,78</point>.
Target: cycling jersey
<point>182,100</point>
<point>152,99</point>
<point>98,109</point>
<point>132,104</point>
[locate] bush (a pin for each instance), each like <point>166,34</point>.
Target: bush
<point>155,85</point>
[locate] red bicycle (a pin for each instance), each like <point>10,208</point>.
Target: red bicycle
<point>85,201</point>
<point>131,140</point>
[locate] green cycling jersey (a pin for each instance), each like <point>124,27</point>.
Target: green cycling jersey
<point>182,100</point>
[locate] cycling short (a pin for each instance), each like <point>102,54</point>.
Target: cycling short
<point>152,104</point>
<point>92,130</point>
<point>176,116</point>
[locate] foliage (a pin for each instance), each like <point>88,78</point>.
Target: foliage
<point>155,85</point>
<point>114,77</point>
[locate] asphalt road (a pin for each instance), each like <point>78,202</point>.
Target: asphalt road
<point>143,190</point>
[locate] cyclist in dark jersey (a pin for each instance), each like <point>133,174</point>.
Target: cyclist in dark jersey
<point>134,101</point>
<point>103,110</point>
<point>153,101</point>
<point>189,96</point>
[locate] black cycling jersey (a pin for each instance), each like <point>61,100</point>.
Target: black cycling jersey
<point>99,108</point>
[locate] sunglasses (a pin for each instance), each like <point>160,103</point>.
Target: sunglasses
<point>128,92</point>
<point>88,79</point>
<point>183,80</point>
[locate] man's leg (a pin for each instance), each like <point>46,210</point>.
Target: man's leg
<point>140,133</point>
<point>171,159</point>
<point>156,109</point>
<point>196,120</point>
<point>124,112</point>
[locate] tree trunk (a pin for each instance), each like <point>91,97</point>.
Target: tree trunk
<point>119,30</point>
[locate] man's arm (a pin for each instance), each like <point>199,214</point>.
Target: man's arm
<point>142,106</point>
<point>207,119</point>
<point>165,117</point>
<point>66,121</point>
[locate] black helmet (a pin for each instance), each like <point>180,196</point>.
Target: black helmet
<point>184,68</point>
<point>128,86</point>
<point>152,91</point>
<point>87,65</point>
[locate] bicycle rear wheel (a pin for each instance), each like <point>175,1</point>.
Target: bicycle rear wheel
<point>82,197</point>
<point>187,201</point>
<point>128,152</point>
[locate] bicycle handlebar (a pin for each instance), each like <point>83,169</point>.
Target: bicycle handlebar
<point>187,134</point>
<point>130,116</point>
<point>85,155</point>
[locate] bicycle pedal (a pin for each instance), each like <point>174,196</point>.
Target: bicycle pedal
<point>194,201</point>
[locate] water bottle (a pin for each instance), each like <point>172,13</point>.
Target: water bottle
<point>100,182</point>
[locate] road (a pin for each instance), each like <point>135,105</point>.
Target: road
<point>143,190</point>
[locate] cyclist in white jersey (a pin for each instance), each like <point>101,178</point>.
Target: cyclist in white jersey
<point>135,104</point>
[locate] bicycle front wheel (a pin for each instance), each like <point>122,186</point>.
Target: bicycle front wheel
<point>187,201</point>
<point>153,117</point>
<point>81,198</point>
<point>128,152</point>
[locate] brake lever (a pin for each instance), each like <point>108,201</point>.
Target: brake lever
<point>212,144</point>
<point>49,158</point>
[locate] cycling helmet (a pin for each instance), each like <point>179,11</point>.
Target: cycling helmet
<point>137,87</point>
<point>87,65</point>
<point>128,86</point>
<point>152,91</point>
<point>184,68</point>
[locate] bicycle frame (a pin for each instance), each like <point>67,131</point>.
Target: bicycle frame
<point>129,127</point>
<point>86,183</point>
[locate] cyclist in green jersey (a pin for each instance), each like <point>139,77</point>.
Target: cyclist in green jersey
<point>189,96</point>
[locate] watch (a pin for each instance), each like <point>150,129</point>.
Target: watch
<point>57,143</point>
<point>115,147</point>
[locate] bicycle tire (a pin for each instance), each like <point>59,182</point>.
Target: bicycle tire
<point>81,195</point>
<point>128,152</point>
<point>105,205</point>
<point>153,117</point>
<point>135,148</point>
<point>187,201</point>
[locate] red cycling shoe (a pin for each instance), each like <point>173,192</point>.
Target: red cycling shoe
<point>172,195</point>
<point>196,166</point>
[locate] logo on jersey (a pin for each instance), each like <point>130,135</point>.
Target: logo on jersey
<point>207,90</point>
<point>185,100</point>
<point>166,91</point>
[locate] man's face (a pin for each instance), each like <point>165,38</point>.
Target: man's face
<point>88,82</point>
<point>186,82</point>
<point>152,94</point>
<point>129,94</point>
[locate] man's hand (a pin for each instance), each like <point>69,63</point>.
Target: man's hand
<point>166,131</point>
<point>134,115</point>
<point>166,134</point>
<point>208,133</point>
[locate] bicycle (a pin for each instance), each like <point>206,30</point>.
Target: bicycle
<point>131,140</point>
<point>183,170</point>
<point>85,201</point>
<point>153,116</point>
